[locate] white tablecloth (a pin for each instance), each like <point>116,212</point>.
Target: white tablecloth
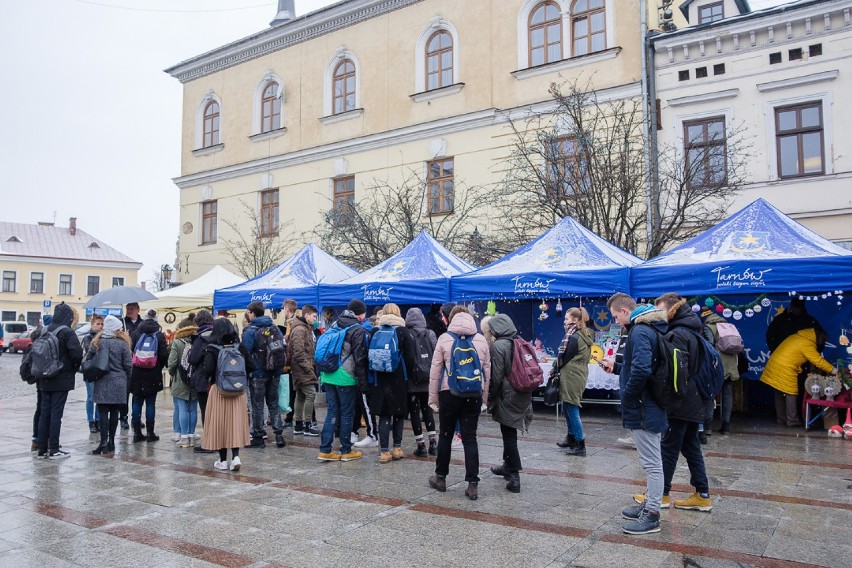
<point>598,378</point>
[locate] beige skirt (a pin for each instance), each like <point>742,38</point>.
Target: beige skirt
<point>226,421</point>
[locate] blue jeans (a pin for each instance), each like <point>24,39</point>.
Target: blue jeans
<point>340,410</point>
<point>150,400</point>
<point>50,419</point>
<point>92,413</point>
<point>186,412</point>
<point>682,438</point>
<point>572,418</point>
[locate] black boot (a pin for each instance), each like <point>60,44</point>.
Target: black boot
<point>433,447</point>
<point>138,436</point>
<point>578,450</point>
<point>420,452</point>
<point>569,442</point>
<point>110,449</point>
<point>102,447</point>
<point>149,428</point>
<point>514,484</point>
<point>124,424</point>
<point>502,470</point>
<point>725,428</point>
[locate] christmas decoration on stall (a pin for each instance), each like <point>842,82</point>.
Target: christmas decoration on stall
<point>837,294</point>
<point>543,307</point>
<point>471,307</point>
<point>559,307</point>
<point>491,308</point>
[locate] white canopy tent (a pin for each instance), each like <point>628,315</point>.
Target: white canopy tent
<point>195,294</point>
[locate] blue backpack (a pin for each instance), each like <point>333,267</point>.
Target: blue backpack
<point>710,374</point>
<point>329,348</point>
<point>383,353</point>
<point>465,375</point>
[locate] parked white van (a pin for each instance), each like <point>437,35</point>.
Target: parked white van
<point>11,330</point>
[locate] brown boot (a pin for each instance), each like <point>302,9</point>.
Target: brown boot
<point>472,491</point>
<point>438,483</point>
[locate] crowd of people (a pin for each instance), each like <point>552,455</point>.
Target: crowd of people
<point>377,371</point>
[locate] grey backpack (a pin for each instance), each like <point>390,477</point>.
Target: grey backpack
<point>46,363</point>
<point>231,378</point>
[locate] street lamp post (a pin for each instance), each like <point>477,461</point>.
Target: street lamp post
<point>165,277</point>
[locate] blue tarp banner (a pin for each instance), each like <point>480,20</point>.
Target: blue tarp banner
<point>420,273</point>
<point>567,260</point>
<point>298,278</point>
<point>757,250</point>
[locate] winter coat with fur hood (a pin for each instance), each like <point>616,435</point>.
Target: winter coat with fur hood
<point>507,406</point>
<point>462,324</point>
<point>182,339</point>
<point>639,411</point>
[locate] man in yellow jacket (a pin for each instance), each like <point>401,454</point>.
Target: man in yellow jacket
<point>783,368</point>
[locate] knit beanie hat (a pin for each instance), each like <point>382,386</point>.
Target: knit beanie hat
<point>112,323</point>
<point>641,309</point>
<point>150,315</point>
<point>357,307</point>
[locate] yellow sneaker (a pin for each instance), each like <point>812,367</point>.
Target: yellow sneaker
<point>385,457</point>
<point>328,456</point>
<point>666,503</point>
<point>397,453</point>
<point>695,502</point>
<point>352,455</point>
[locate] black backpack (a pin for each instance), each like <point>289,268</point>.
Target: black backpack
<point>270,350</point>
<point>670,369</point>
<point>423,351</point>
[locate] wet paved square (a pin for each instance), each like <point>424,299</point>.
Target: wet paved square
<point>782,497</point>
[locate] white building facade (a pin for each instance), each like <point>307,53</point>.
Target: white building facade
<point>779,79</point>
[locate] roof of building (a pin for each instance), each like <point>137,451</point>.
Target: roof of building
<point>48,241</point>
<point>742,5</point>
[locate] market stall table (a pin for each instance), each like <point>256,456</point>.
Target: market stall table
<point>842,401</point>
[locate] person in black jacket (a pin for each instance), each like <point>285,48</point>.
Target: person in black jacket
<point>684,414</point>
<point>145,383</point>
<point>54,390</point>
<point>198,380</point>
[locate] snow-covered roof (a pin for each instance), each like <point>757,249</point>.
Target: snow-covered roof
<point>48,241</point>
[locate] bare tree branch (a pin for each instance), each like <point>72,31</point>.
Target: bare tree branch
<point>250,251</point>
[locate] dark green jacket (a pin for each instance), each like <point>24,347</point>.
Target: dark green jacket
<point>507,406</point>
<point>575,367</point>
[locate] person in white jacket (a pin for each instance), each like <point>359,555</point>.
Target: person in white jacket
<point>452,407</point>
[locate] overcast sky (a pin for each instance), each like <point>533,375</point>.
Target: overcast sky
<point>90,124</point>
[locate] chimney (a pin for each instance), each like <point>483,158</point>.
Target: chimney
<point>72,226</point>
<point>45,224</point>
<point>286,12</point>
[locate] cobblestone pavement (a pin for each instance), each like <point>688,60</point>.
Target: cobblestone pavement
<point>781,498</point>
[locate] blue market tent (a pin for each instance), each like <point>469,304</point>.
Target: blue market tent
<point>298,277</point>
<point>566,260</point>
<point>418,274</point>
<point>757,250</point>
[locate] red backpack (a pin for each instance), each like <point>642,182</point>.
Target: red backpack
<point>525,375</point>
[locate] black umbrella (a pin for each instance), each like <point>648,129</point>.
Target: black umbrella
<point>119,296</point>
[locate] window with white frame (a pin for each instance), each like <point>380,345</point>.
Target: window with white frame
<point>10,280</point>
<point>93,285</point>
<point>36,282</point>
<point>65,282</point>
<point>800,140</point>
<point>117,281</point>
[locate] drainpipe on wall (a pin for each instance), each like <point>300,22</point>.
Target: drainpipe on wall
<point>643,22</point>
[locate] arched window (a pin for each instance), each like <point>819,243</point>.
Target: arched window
<point>270,108</point>
<point>588,26</point>
<point>211,125</point>
<point>343,87</point>
<point>545,34</point>
<point>439,60</point>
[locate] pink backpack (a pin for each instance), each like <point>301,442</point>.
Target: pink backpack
<point>525,374</point>
<point>730,341</point>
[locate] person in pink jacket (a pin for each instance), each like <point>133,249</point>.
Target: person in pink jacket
<point>452,407</point>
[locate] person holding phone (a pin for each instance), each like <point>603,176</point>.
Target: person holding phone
<point>572,364</point>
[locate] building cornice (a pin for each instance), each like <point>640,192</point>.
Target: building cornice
<point>798,81</point>
<point>438,128</point>
<point>71,262</point>
<point>315,24</point>
<point>704,97</point>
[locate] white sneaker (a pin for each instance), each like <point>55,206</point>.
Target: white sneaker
<point>457,441</point>
<point>196,437</point>
<point>176,437</point>
<point>221,465</point>
<point>235,464</point>
<point>367,442</point>
<point>627,441</point>
<point>353,438</point>
<point>185,442</point>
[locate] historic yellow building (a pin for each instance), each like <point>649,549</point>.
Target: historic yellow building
<point>43,265</point>
<point>307,113</point>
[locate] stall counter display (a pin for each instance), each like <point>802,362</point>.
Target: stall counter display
<point>603,349</point>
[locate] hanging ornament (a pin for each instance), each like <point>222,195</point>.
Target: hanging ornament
<point>559,307</point>
<point>749,312</point>
<point>757,308</point>
<point>491,308</point>
<point>709,302</point>
<point>727,312</point>
<point>844,341</point>
<point>543,315</point>
<point>766,302</point>
<point>696,308</point>
<point>720,308</point>
<point>824,296</point>
<point>738,315</point>
<point>471,307</point>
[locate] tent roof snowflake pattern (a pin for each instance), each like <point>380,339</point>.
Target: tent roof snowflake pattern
<point>566,260</point>
<point>419,273</point>
<point>298,277</point>
<point>758,249</point>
